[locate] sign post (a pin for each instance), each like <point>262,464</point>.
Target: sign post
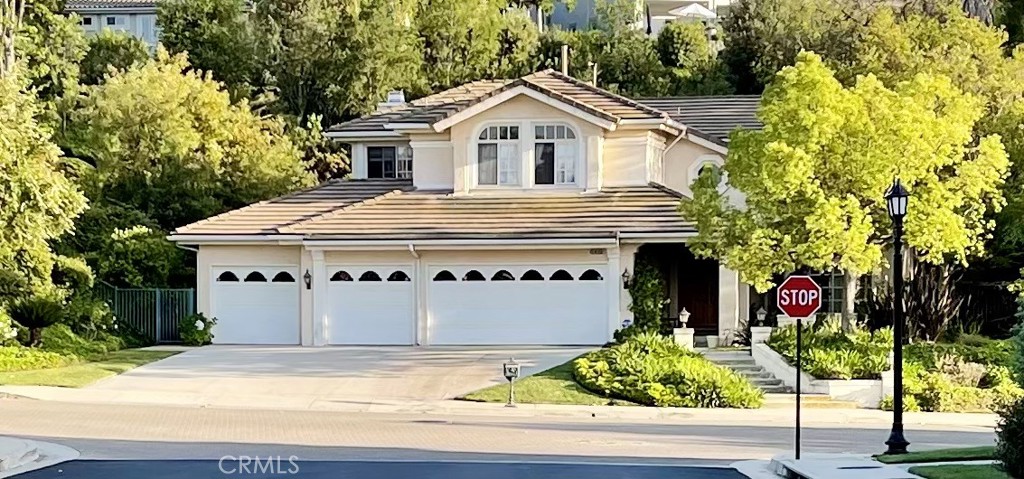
<point>799,297</point>
<point>511,372</point>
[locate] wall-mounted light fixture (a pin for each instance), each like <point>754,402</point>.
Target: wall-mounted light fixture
<point>625,278</point>
<point>308,278</point>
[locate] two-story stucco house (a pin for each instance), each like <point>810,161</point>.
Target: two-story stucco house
<point>498,212</point>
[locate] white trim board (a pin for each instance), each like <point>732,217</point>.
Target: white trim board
<point>512,93</point>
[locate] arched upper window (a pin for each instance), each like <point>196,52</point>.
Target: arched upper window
<point>283,277</point>
<point>591,275</point>
<point>532,275</point>
<point>473,275</point>
<point>708,164</point>
<point>555,155</point>
<point>444,275</point>
<point>561,275</point>
<point>498,157</point>
<point>341,276</point>
<point>369,276</point>
<point>227,276</point>
<point>255,277</point>
<point>503,276</point>
<point>399,276</point>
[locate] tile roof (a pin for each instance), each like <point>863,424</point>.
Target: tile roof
<point>329,212</point>
<point>267,217</point>
<point>89,4</point>
<point>714,116</point>
<point>439,106</point>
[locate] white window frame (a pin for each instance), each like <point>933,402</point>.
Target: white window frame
<point>709,160</point>
<point>527,147</point>
<point>517,143</point>
<point>403,161</point>
<point>560,143</point>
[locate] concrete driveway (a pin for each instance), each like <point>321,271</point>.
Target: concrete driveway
<point>270,376</point>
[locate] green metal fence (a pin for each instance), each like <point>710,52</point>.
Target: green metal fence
<point>155,312</point>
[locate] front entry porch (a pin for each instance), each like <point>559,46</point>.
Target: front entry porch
<point>717,301</point>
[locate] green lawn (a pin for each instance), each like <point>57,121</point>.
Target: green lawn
<point>942,455</point>
<point>83,374</point>
<point>959,472</point>
<point>554,386</point>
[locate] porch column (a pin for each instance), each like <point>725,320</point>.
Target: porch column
<point>305,299</point>
<point>627,259</point>
<point>728,301</point>
<point>319,299</point>
<point>614,291</point>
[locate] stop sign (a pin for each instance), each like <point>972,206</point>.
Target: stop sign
<point>799,297</point>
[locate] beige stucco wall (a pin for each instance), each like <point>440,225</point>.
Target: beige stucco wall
<point>523,111</point>
<point>432,167</point>
<point>625,158</point>
<point>682,162</point>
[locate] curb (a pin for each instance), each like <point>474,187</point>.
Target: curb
<point>18,456</point>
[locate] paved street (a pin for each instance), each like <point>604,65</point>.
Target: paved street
<point>363,469</point>
<point>156,432</point>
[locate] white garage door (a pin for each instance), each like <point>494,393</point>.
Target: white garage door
<point>255,305</point>
<point>518,304</point>
<point>371,305</point>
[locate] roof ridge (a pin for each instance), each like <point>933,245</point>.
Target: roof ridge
<point>289,228</point>
<point>602,91</point>
<point>260,203</point>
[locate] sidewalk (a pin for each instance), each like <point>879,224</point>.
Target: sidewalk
<point>860,417</point>
<point>833,466</point>
<point>18,456</point>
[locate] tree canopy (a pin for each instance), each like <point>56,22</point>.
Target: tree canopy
<point>38,203</point>
<point>813,179</point>
<point>190,153</point>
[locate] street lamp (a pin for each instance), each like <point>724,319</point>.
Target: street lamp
<point>896,202</point>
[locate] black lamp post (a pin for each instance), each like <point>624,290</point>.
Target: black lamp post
<point>896,202</point>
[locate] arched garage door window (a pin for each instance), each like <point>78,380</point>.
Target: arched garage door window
<point>444,275</point>
<point>255,277</point>
<point>228,277</point>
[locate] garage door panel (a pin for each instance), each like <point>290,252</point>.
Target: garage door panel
<point>517,311</point>
<point>255,305</point>
<point>371,312</point>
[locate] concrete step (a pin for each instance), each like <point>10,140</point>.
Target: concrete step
<point>762,382</point>
<point>756,374</point>
<point>744,367</point>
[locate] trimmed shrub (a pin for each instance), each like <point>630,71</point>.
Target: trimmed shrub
<point>89,317</point>
<point>831,353</point>
<point>652,370</point>
<point>59,338</point>
<point>988,352</point>
<point>196,329</point>
<point>8,330</point>
<point>20,358</point>
<point>1010,439</point>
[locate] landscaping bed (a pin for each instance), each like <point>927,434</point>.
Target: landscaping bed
<point>645,369</point>
<point>970,375</point>
<point>85,371</point>
<point>68,360</point>
<point>653,370</point>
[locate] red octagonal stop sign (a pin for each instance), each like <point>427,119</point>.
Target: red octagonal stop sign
<point>799,297</point>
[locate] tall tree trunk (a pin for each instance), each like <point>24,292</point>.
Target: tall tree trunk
<point>850,285</point>
<point>10,23</point>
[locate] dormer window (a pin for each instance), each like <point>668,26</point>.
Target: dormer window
<point>498,156</point>
<point>555,155</point>
<point>389,162</point>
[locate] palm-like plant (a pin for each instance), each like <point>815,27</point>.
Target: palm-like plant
<point>35,313</point>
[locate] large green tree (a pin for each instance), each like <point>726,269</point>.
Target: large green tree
<point>108,50</point>
<point>38,203</point>
<point>689,57</point>
<point>336,59</point>
<point>217,37</point>
<point>461,40</point>
<point>181,152</point>
<point>813,178</point>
